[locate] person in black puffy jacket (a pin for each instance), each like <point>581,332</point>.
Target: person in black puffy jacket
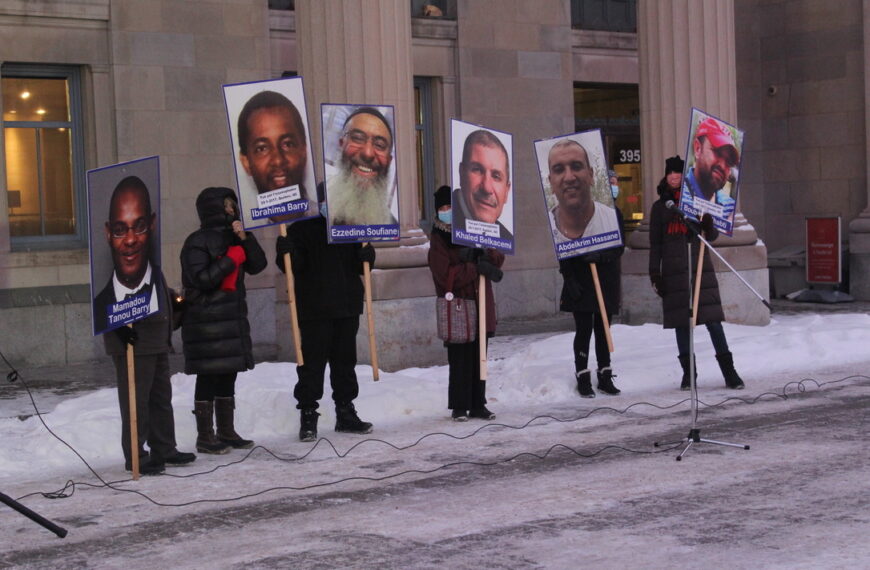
<point>215,329</point>
<point>669,275</point>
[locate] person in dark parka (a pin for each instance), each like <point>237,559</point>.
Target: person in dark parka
<point>579,298</point>
<point>466,393</point>
<point>668,270</point>
<point>329,298</point>
<point>215,329</point>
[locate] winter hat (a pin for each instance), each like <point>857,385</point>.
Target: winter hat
<point>674,164</point>
<point>442,197</point>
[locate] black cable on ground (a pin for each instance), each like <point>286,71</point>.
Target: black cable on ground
<point>69,488</point>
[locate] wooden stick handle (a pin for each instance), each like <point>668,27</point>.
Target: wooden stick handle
<point>601,307</point>
<point>134,420</point>
<point>700,266</point>
<point>481,325</point>
<point>291,301</point>
<point>373,346</point>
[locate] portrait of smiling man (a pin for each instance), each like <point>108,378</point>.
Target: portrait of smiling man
<point>715,155</point>
<point>129,232</point>
<point>484,182</point>
<point>572,177</point>
<point>360,191</point>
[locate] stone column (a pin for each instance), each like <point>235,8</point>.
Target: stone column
<point>359,51</point>
<point>859,228</point>
<point>687,59</point>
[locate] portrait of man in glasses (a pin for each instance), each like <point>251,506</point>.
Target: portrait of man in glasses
<point>131,292</point>
<point>361,189</point>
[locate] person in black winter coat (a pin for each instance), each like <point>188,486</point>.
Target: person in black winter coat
<point>669,274</point>
<point>329,298</point>
<point>215,329</point>
<point>579,298</point>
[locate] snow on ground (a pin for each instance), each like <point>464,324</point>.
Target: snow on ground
<point>525,373</point>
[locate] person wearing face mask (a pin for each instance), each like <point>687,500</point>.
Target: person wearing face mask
<point>458,268</point>
<point>579,298</point>
<point>329,299</point>
<point>215,328</point>
<point>669,275</point>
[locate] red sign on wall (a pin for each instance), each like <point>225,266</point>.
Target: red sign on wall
<point>823,250</point>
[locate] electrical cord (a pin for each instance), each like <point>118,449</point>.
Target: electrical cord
<point>69,488</point>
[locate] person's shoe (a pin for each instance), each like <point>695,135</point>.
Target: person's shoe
<point>584,383</point>
<point>460,415</point>
<point>726,364</point>
<point>605,382</point>
<point>685,383</point>
<point>224,411</point>
<point>347,420</point>
<point>206,441</point>
<point>308,424</point>
<point>481,413</point>
<point>179,458</point>
<point>148,467</point>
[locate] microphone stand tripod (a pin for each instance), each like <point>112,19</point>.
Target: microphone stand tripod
<point>694,431</point>
<point>9,501</point>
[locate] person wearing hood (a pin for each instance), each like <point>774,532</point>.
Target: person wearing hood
<point>215,329</point>
<point>669,274</point>
<point>466,393</point>
<point>329,297</point>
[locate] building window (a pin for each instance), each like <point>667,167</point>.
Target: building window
<point>443,9</point>
<point>282,4</point>
<point>425,146</point>
<point>615,109</point>
<point>43,154</point>
<point>609,15</point>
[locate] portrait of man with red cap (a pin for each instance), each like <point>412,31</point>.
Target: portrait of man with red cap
<point>715,155</point>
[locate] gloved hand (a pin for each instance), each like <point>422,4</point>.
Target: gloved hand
<point>470,254</point>
<point>285,244</point>
<point>707,225</point>
<point>658,283</point>
<point>488,270</point>
<point>594,257</point>
<point>237,254</point>
<point>367,253</point>
<point>128,335</point>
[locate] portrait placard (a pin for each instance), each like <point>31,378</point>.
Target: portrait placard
<point>712,171</point>
<point>577,194</point>
<point>482,201</point>
<point>271,148</point>
<point>124,236</point>
<point>359,162</point>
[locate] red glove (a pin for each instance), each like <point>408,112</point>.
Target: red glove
<point>237,254</point>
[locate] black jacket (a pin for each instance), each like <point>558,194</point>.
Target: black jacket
<point>668,236</point>
<point>215,329</point>
<point>578,289</point>
<point>326,276</point>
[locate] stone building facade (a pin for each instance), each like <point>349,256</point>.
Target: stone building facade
<point>144,78</point>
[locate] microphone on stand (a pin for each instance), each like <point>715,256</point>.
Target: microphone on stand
<point>693,225</point>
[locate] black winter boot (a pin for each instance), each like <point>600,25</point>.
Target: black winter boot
<point>206,442</point>
<point>224,410</point>
<point>584,383</point>
<point>685,383</point>
<point>346,420</point>
<point>726,364</point>
<point>605,381</point>
<point>308,424</point>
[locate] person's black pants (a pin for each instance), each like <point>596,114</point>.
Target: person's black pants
<point>465,391</point>
<point>209,386</point>
<point>333,342</point>
<point>585,323</point>
<point>717,335</point>
<point>155,422</point>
